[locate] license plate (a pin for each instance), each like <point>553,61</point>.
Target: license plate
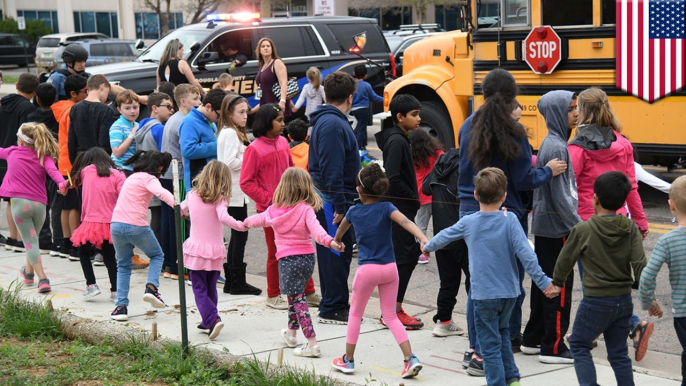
<point>47,54</point>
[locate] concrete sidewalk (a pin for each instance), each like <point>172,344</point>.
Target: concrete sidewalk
<point>253,329</point>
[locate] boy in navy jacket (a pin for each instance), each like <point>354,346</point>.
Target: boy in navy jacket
<point>360,109</point>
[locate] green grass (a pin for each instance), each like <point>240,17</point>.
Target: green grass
<point>26,319</point>
<point>7,79</point>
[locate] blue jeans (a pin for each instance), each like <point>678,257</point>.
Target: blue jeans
<point>680,327</point>
<point>492,319</point>
<point>124,238</point>
<point>471,330</point>
<point>516,317</point>
<point>362,116</point>
<point>608,316</point>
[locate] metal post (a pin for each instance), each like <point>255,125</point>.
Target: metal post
<point>179,256</point>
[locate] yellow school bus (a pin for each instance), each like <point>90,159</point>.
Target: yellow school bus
<point>445,72</point>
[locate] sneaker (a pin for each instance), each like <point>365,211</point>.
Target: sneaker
<point>564,357</point>
<point>28,277</point>
<point>44,286</point>
<point>313,300</point>
<point>306,351</point>
<point>338,317</point>
<point>3,239</point>
<point>188,282</point>
<point>45,247</point>
<point>530,350</point>
<point>513,382</point>
<point>153,297</point>
<point>516,343</point>
<point>423,259</point>
<point>343,365</point>
<point>216,328</point>
<point>167,275</point>
<point>277,303</point>
<point>120,313</point>
<point>468,354</point>
<point>99,260</point>
<point>411,367</point>
<point>410,323</point>
<point>9,244</point>
<point>221,280</point>
<point>203,330</point>
<point>476,367</point>
<point>354,249</point>
<point>56,248</point>
<point>19,246</point>
<point>113,296</point>
<point>74,254</point>
<point>447,329</point>
<point>91,291</point>
<point>139,263</point>
<point>291,341</point>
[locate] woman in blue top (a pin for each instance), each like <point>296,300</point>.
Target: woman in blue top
<point>377,268</point>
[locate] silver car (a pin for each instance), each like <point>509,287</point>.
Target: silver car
<point>46,49</point>
<point>104,51</point>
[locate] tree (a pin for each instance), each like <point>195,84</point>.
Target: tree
<point>34,28</point>
<point>420,6</point>
<point>197,10</point>
<point>156,5</point>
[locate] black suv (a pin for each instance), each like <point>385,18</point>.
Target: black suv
<point>302,42</point>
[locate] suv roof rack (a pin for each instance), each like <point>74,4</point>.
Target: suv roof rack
<point>426,27</point>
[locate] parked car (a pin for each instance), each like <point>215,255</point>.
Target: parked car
<point>103,51</point>
<point>302,42</point>
<point>12,50</point>
<point>48,45</point>
<point>399,40</point>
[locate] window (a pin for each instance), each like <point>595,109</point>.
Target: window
<point>284,37</point>
<point>148,24</point>
<point>111,49</point>
<point>513,12</point>
<point>6,41</point>
<point>609,14</point>
<point>48,17</point>
<point>21,41</point>
<point>98,50</point>
<point>567,12</point>
<point>448,17</point>
<point>389,18</point>
<point>103,22</point>
<point>241,39</point>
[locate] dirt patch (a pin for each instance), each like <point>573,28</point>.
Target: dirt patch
<point>88,383</point>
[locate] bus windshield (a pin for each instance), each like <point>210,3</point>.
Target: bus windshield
<point>187,38</point>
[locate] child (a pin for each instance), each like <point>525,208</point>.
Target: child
<point>373,226</point>
<point>204,251</point>
<point>225,82</point>
<point>312,93</point>
<point>14,111</point>
<point>264,161</point>
<point>297,133</point>
<point>75,87</point>
<point>610,248</point>
<point>402,192</point>
<point>130,227</point>
<point>292,218</point>
<point>452,260</point>
<point>101,183</point>
<point>670,249</point>
<point>554,216</point>
<point>498,240</point>
<point>231,144</point>
<point>187,97</point>
<point>122,133</point>
<point>425,150</point>
<point>360,108</point>
<point>24,182</point>
<point>91,119</point>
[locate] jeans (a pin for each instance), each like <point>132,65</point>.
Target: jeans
<point>124,238</point>
<point>680,327</point>
<point>471,329</point>
<point>608,316</point>
<point>362,116</point>
<point>516,317</point>
<point>492,318</point>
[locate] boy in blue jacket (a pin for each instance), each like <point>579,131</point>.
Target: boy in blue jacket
<point>360,109</point>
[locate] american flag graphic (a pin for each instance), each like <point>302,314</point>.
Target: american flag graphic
<point>650,48</point>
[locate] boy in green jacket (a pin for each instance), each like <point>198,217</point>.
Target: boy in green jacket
<point>610,248</point>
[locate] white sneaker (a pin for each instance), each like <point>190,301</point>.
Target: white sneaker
<point>530,350</point>
<point>447,329</point>
<point>113,296</point>
<point>277,303</point>
<point>310,352</point>
<point>91,291</point>
<point>98,260</point>
<point>291,341</point>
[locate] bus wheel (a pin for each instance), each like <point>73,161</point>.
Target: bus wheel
<point>436,120</point>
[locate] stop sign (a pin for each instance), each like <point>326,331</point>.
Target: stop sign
<point>542,49</point>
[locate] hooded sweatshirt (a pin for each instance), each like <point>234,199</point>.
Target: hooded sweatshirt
<point>198,144</point>
<point>596,150</point>
<point>14,111</point>
<point>441,185</point>
<point>299,152</point>
<point>155,128</point>
<point>89,127</point>
<point>293,229</point>
<point>264,161</point>
<point>397,160</point>
<point>610,248</point>
<point>313,97</point>
<point>61,111</point>
<point>555,202</point>
<point>46,117</point>
<point>334,158</point>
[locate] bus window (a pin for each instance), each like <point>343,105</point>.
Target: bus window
<point>514,13</point>
<point>609,12</point>
<point>567,12</point>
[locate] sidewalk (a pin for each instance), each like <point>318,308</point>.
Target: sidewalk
<point>253,329</point>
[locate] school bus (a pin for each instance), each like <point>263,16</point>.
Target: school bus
<point>445,72</point>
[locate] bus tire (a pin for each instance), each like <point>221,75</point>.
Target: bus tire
<point>436,120</point>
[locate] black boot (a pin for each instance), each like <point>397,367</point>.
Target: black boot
<point>227,276</point>
<point>238,284</point>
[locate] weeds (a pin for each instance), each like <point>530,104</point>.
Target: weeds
<point>26,319</point>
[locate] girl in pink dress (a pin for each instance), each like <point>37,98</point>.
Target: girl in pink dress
<point>204,251</point>
<point>100,183</point>
<point>292,218</point>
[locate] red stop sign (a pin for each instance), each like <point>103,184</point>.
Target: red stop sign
<point>542,49</point>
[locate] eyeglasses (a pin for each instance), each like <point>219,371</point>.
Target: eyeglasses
<point>169,107</point>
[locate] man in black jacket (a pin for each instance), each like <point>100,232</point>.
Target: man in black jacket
<point>403,193</point>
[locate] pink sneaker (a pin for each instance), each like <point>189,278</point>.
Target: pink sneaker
<point>423,259</point>
<point>28,277</point>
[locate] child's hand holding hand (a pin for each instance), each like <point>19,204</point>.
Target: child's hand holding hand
<point>241,227</point>
<point>337,246</point>
<point>656,310</point>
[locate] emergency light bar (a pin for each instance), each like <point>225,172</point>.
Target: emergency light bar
<point>242,16</point>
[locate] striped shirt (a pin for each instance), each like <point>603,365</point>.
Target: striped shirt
<point>119,131</point>
<point>670,249</point>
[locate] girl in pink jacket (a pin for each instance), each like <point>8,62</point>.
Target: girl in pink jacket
<point>204,251</point>
<point>292,218</point>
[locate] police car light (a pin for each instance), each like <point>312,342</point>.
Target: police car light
<point>242,16</point>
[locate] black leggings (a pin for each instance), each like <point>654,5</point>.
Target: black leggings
<point>236,250</point>
<point>108,254</point>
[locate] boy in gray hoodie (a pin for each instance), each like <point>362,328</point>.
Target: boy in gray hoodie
<point>554,216</point>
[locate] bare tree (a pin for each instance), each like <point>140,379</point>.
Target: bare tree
<point>156,5</point>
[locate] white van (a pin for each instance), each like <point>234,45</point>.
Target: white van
<point>47,46</point>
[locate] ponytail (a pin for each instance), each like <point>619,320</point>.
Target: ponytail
<point>38,137</point>
<point>594,108</point>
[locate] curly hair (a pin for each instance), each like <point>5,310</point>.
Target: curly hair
<point>424,146</point>
<point>213,184</point>
<point>372,180</point>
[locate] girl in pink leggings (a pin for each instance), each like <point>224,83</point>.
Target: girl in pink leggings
<point>377,268</point>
